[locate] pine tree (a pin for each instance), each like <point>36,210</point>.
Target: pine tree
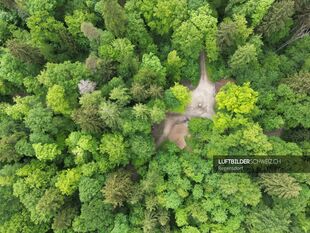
<point>243,57</point>
<point>277,22</point>
<point>102,69</point>
<point>299,82</point>
<point>63,220</point>
<point>302,22</point>
<point>51,37</point>
<point>7,150</point>
<point>9,4</point>
<point>149,222</point>
<point>281,185</point>
<point>50,203</point>
<point>233,33</point>
<point>155,91</point>
<point>139,92</point>
<point>88,119</point>
<point>110,114</point>
<point>114,16</point>
<point>118,188</point>
<point>140,111</point>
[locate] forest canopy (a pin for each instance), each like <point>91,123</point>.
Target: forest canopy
<point>84,84</point>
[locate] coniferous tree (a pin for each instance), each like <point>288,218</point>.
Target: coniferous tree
<point>110,114</point>
<point>233,33</point>
<point>280,185</point>
<point>118,188</point>
<point>88,119</point>
<point>88,87</point>
<point>276,24</point>
<point>25,52</point>
<point>51,37</point>
<point>299,82</point>
<point>114,16</point>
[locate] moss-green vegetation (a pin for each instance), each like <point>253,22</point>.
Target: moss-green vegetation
<point>82,82</point>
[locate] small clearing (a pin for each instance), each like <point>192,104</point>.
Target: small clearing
<point>174,127</point>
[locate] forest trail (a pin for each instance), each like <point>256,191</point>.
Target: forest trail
<point>174,128</point>
<point>203,97</point>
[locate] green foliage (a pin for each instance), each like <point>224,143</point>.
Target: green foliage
<point>39,120</point>
<point>25,52</point>
<point>114,16</point>
<point>13,70</point>
<point>95,215</point>
<point>280,147</point>
<point>51,37</point>
<point>34,6</point>
<point>170,100</point>
<point>7,148</point>
<point>151,71</point>
<point>142,148</point>
<point>118,188</point>
<point>181,97</point>
<point>188,39</point>
<point>88,189</point>
<point>46,151</point>
<point>262,218</point>
<point>68,181</point>
<point>240,186</point>
<point>120,51</point>
<point>113,146</point>
<point>254,10</point>
<point>233,33</point>
<point>21,107</point>
<point>121,224</point>
<point>243,57</point>
<point>190,229</point>
<point>299,82</point>
<point>82,146</point>
<point>162,16</point>
<point>74,22</point>
<point>93,92</point>
<point>276,24</point>
<point>50,203</point>
<point>56,100</point>
<point>21,222</point>
<point>280,185</point>
<point>174,65</point>
<point>292,108</point>
<point>67,74</point>
<point>197,34</point>
<point>237,99</point>
<point>4,32</point>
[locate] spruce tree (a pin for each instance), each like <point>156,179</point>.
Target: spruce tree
<point>118,188</point>
<point>281,185</point>
<point>25,52</point>
<point>276,24</point>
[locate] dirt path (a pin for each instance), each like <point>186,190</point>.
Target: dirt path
<point>203,97</point>
<point>202,105</point>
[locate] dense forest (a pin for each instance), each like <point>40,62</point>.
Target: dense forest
<point>83,84</point>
